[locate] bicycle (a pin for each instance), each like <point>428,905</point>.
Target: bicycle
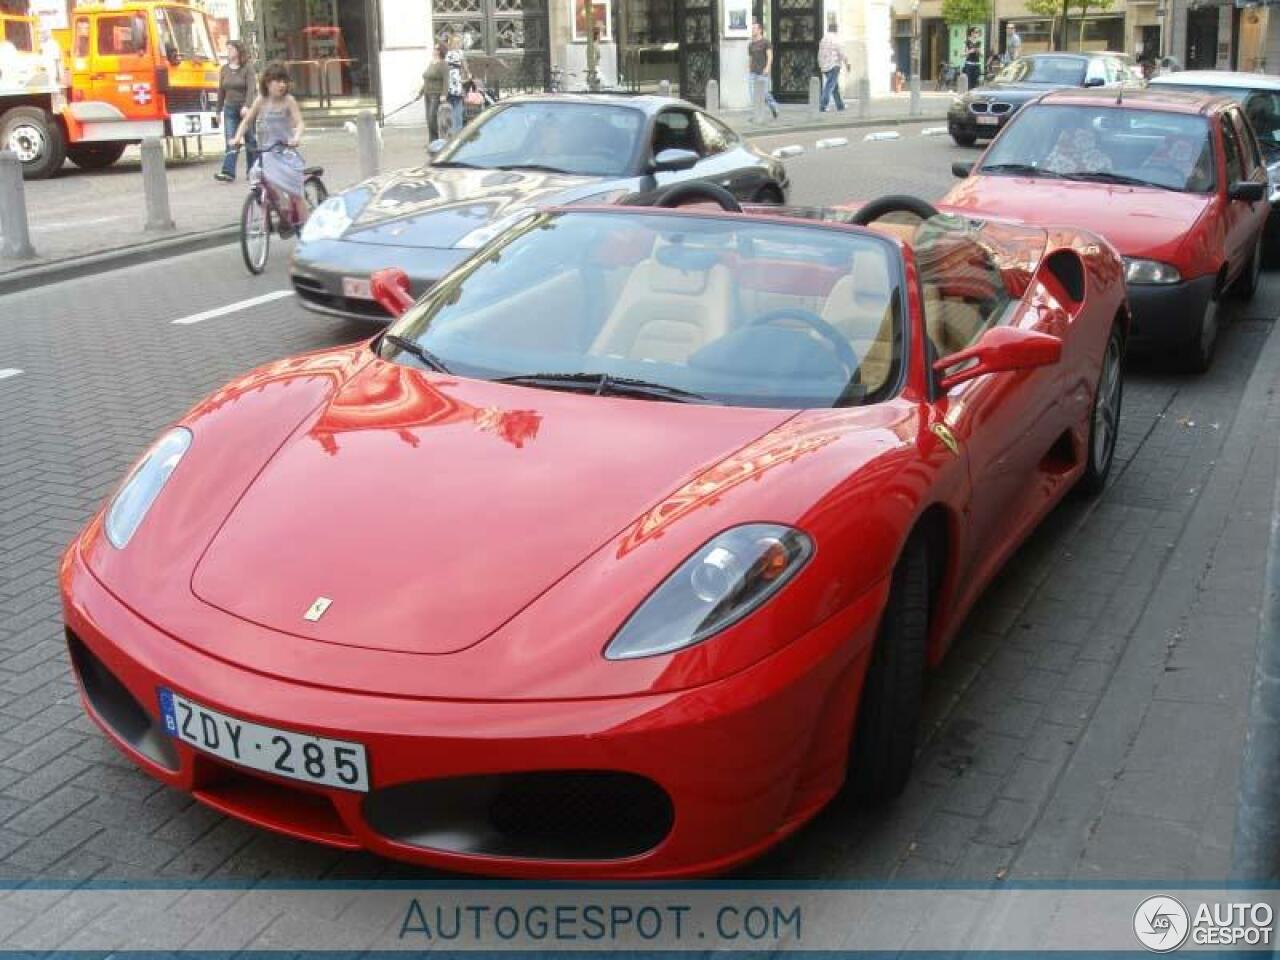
<point>262,207</point>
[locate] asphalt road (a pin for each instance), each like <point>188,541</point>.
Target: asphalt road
<point>1123,631</point>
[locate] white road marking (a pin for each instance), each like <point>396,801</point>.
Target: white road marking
<point>933,132</point>
<point>831,142</point>
<point>794,150</point>
<point>882,135</point>
<point>9,372</point>
<point>234,307</point>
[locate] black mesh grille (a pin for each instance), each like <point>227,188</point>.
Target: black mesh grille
<point>313,291</point>
<point>547,815</point>
<point>184,100</point>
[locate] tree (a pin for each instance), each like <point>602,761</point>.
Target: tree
<point>1051,9</point>
<point>1083,6</point>
<point>966,12</point>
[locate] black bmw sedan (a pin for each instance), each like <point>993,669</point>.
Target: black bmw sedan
<point>525,153</point>
<point>982,112</point>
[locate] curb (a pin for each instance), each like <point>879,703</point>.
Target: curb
<point>54,271</point>
<point>25,278</point>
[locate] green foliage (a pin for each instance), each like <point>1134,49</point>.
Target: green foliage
<point>1084,6</point>
<point>1051,9</point>
<point>964,12</point>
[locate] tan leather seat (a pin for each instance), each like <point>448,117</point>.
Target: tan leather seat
<point>670,306</point>
<point>859,307</point>
<point>952,324</point>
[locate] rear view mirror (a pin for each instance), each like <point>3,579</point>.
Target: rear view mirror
<point>674,159</point>
<point>1248,191</point>
<point>962,168</point>
<point>1000,348</point>
<point>390,288</point>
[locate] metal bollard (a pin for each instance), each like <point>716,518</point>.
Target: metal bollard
<point>864,97</point>
<point>13,209</point>
<point>962,83</point>
<point>444,121</point>
<point>155,185</point>
<point>664,88</point>
<point>713,95</point>
<point>815,95</point>
<point>915,96</point>
<point>367,143</point>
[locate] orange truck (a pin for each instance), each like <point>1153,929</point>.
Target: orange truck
<point>119,71</point>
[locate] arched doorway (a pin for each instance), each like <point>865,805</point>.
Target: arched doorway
<point>505,41</point>
<point>796,27</point>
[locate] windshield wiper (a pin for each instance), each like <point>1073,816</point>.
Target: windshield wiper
<point>422,353</point>
<point>545,168</point>
<point>602,383</point>
<point>1102,176</point>
<point>1028,169</point>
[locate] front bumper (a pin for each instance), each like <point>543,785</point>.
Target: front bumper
<point>744,761</point>
<point>1167,316</point>
<point>961,123</point>
<point>318,268</point>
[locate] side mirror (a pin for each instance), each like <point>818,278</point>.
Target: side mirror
<point>435,146</point>
<point>1095,82</point>
<point>962,168</point>
<point>390,288</point>
<point>673,159</point>
<point>1247,190</point>
<point>1000,348</point>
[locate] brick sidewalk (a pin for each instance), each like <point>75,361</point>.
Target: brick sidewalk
<point>80,213</point>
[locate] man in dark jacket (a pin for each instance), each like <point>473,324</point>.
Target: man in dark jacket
<point>435,87</point>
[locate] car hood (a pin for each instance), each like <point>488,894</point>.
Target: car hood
<point>438,206</point>
<point>1012,92</point>
<point>1138,221</point>
<point>429,511</point>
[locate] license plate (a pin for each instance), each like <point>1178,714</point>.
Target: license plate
<point>286,753</point>
<point>357,287</point>
<point>988,121</point>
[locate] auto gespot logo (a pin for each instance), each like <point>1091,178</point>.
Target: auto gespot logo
<point>1162,924</point>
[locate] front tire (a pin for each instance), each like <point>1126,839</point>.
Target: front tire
<point>255,232</point>
<point>95,156</point>
<point>884,740</point>
<point>1104,416</point>
<point>36,138</point>
<point>1198,357</point>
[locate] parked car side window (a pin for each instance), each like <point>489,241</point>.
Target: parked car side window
<point>1231,147</point>
<point>964,290</point>
<point>716,138</point>
<point>1096,73</point>
<point>1251,155</point>
<point>674,130</point>
<point>1263,110</point>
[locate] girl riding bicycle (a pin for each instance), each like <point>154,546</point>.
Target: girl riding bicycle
<point>280,128</point>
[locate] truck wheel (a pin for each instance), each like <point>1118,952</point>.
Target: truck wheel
<point>37,140</point>
<point>94,156</point>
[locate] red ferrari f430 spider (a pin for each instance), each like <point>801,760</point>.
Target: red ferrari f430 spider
<point>619,553</point>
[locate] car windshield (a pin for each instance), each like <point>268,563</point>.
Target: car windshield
<point>183,34</point>
<point>1107,144</point>
<point>678,307</point>
<point>1068,71</point>
<point>583,138</point>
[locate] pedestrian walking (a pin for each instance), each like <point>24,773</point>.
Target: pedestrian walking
<point>760,63</point>
<point>1014,44</point>
<point>457,77</point>
<point>236,88</point>
<point>435,90</point>
<point>973,56</point>
<point>279,130</point>
<point>831,59</point>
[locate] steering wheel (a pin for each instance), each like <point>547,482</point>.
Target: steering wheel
<point>893,203</point>
<point>834,338</point>
<point>679,194</point>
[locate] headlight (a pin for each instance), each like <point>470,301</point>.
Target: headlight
<point>1149,271</point>
<point>139,492</point>
<point>721,583</point>
<point>327,221</point>
<point>481,235</point>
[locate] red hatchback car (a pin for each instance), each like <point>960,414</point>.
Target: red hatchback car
<point>615,551</point>
<point>1175,181</point>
